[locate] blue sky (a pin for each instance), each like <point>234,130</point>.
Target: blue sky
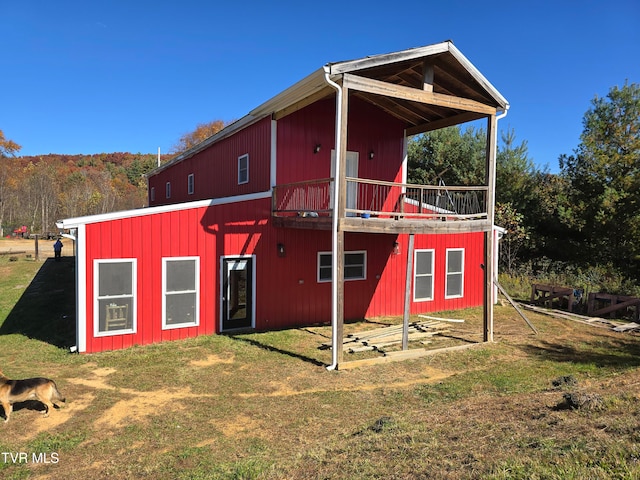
<point>133,75</point>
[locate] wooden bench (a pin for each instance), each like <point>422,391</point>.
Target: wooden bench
<point>601,304</point>
<point>546,294</point>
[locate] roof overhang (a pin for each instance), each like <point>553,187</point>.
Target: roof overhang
<point>427,88</point>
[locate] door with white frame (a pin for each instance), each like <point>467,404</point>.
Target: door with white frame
<point>237,293</point>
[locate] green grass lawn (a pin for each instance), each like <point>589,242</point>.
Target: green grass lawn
<point>262,405</point>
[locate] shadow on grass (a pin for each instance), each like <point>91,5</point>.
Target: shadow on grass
<point>34,405</point>
<point>609,352</point>
<point>46,309</point>
<point>271,348</point>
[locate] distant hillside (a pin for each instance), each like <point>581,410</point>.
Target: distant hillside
<point>38,190</point>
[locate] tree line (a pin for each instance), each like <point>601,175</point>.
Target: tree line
<point>36,191</point>
<point>586,218</point>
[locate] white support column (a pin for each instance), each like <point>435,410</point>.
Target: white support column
<point>81,289</point>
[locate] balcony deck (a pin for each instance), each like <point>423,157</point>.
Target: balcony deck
<point>382,207</point>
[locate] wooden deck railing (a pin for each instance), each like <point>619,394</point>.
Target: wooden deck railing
<point>375,198</point>
<point>301,198</point>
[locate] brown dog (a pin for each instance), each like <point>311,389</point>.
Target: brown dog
<point>41,389</point>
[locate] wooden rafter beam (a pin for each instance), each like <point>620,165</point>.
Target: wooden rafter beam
<point>444,122</point>
<point>427,76</point>
<point>377,87</point>
<point>393,108</point>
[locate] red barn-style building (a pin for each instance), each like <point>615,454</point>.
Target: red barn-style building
<point>300,212</point>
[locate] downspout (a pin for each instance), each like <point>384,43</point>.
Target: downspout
<point>504,113</point>
<point>498,117</point>
<point>335,341</point>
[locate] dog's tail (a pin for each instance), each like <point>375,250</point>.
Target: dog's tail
<point>56,393</point>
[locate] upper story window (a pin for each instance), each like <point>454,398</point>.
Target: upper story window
<point>243,169</point>
<point>455,273</point>
<point>190,184</point>
<point>168,190</point>
<point>152,195</point>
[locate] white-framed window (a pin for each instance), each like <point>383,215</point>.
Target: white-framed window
<point>115,296</point>
<point>190,184</point>
<point>153,194</point>
<point>355,266</point>
<point>243,169</point>
<point>423,268</point>
<point>180,292</point>
<point>167,190</point>
<point>454,283</point>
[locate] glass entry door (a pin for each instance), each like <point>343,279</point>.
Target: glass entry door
<point>237,293</point>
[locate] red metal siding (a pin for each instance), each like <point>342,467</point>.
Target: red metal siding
<point>287,291</point>
<point>389,298</point>
<point>290,294</point>
<point>373,131</point>
<point>216,168</point>
<point>147,239</point>
<point>370,130</point>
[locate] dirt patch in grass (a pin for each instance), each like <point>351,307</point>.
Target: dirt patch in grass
<point>211,360</point>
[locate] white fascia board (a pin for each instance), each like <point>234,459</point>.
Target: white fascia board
<point>481,79</point>
<point>385,58</point>
<point>307,86</point>
<point>140,212</point>
<point>410,54</point>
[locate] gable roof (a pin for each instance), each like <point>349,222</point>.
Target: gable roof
<point>450,73</point>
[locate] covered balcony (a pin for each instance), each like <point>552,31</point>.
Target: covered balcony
<point>377,206</point>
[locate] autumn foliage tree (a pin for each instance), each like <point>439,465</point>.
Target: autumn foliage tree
<point>200,134</point>
<point>8,148</point>
<point>36,191</point>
